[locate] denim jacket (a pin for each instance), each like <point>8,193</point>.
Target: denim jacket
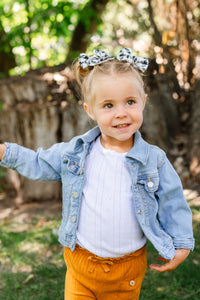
<point>160,206</point>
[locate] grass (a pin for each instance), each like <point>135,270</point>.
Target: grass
<point>2,170</point>
<point>182,283</point>
<point>31,261</point>
<point>32,265</point>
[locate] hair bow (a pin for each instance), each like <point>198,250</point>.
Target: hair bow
<point>125,54</point>
<point>98,58</point>
<point>140,63</point>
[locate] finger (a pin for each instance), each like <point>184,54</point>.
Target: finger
<point>162,259</point>
<point>168,266</point>
<point>180,256</point>
<point>162,268</point>
<point>156,267</point>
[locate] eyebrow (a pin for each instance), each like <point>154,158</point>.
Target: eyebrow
<point>109,100</point>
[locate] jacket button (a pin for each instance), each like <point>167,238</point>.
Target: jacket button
<point>139,212</point>
<point>132,283</point>
<point>73,219</point>
<point>150,184</point>
<point>75,195</point>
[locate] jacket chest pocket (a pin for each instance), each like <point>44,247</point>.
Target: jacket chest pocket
<point>149,182</point>
<point>147,185</point>
<point>72,177</point>
<point>71,165</point>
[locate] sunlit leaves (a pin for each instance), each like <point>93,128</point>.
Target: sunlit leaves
<point>39,31</point>
<point>125,25</point>
<point>39,28</point>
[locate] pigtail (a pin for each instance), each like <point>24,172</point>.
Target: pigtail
<point>79,72</point>
<point>82,78</point>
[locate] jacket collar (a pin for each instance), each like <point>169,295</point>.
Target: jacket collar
<point>140,150</point>
<point>89,136</point>
<point>85,139</point>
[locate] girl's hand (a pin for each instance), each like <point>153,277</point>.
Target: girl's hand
<point>170,265</point>
<point>2,149</point>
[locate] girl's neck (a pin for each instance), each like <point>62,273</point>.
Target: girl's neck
<point>118,146</point>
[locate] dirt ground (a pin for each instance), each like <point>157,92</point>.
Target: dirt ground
<point>26,212</point>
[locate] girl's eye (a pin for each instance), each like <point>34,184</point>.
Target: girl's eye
<point>130,102</point>
<point>108,105</point>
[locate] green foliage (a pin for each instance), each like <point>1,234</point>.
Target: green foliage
<point>38,30</point>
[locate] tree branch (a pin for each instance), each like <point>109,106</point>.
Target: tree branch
<point>157,36</point>
<point>82,33</point>
<point>170,70</point>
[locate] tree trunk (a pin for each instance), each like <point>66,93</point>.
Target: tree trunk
<point>85,28</point>
<point>7,59</point>
<point>161,122</point>
<point>194,144</point>
<point>169,68</point>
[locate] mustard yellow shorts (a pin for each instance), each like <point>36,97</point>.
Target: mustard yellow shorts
<point>91,277</point>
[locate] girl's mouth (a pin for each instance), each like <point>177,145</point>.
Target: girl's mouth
<point>121,125</point>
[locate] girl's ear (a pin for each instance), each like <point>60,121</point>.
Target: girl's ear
<point>90,114</point>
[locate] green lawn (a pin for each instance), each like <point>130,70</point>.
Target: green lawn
<point>182,283</point>
<point>32,265</point>
<point>31,261</point>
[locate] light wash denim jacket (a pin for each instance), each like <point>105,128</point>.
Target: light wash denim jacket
<point>160,206</point>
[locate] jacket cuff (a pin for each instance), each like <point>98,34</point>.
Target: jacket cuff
<point>9,156</point>
<point>184,244</point>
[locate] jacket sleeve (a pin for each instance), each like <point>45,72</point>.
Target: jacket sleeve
<point>44,165</point>
<point>174,213</point>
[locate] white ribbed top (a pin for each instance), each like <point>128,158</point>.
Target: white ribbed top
<point>108,226</point>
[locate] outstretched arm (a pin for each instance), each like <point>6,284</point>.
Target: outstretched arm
<point>170,265</point>
<point>2,150</point>
<point>44,165</point>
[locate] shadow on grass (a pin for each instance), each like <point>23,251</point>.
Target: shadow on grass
<point>31,262</point>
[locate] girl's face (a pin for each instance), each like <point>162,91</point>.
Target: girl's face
<point>117,109</point>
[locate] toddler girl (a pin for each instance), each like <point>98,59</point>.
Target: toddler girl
<point>118,191</point>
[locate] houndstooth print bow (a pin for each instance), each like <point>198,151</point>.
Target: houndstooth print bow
<point>140,63</point>
<point>125,54</point>
<point>99,57</point>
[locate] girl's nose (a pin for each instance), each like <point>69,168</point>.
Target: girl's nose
<point>120,112</point>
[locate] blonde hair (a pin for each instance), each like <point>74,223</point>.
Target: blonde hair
<point>86,76</point>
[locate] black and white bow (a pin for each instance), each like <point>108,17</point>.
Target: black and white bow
<point>140,63</point>
<point>125,54</point>
<point>98,58</point>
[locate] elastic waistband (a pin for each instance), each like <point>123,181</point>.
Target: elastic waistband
<point>99,259</point>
